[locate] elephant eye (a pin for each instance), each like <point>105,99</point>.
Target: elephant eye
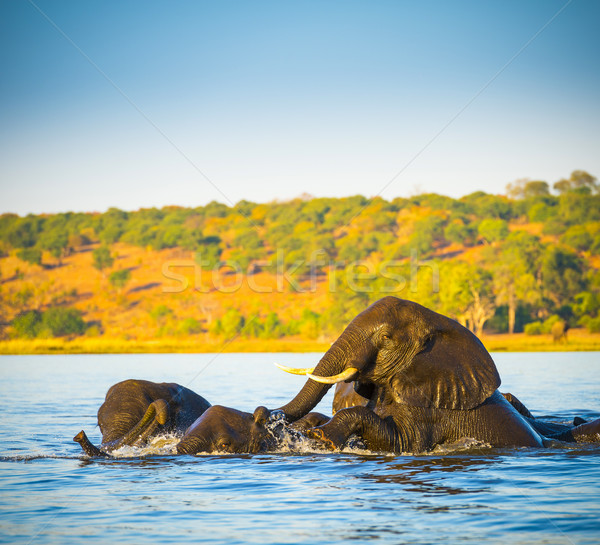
<point>428,342</point>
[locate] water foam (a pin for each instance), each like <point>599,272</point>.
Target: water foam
<point>160,445</point>
<point>289,440</point>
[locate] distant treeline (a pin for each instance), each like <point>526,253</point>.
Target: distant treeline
<point>530,257</point>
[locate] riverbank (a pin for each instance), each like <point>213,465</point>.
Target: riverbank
<point>163,345</point>
<point>579,340</point>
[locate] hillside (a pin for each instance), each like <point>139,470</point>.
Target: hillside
<point>293,274</point>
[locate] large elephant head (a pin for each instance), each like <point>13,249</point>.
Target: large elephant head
<point>418,356</point>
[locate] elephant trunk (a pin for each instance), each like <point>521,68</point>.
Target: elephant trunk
<point>192,444</point>
<point>156,414</point>
<point>347,351</point>
<point>87,446</point>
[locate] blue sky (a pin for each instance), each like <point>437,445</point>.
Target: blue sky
<point>139,104</point>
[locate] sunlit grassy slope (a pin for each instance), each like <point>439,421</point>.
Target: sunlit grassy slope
<point>126,322</point>
<point>290,275</point>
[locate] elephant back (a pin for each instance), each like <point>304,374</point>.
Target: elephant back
<point>188,406</point>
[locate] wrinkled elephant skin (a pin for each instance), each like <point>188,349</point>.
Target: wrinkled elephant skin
<point>428,380</point>
<point>226,430</point>
<point>136,410</point>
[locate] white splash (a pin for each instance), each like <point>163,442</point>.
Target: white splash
<point>463,444</point>
<point>159,445</point>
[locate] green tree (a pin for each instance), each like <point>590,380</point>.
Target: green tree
<point>542,211</point>
<point>120,278</point>
<point>433,201</point>
<point>102,258</point>
<point>349,297</point>
<point>563,275</point>
<point>23,232</point>
<point>160,312</point>
<point>514,284</point>
<point>248,240</point>
<point>170,237</point>
<point>112,226</point>
<point>189,326</point>
<point>209,252</point>
<point>245,208</point>
<point>27,324</point>
<point>577,237</point>
<point>273,327</point>
<point>466,294</point>
<point>62,321</point>
<point>216,209</point>
<point>576,209</point>
<point>428,234</point>
<point>247,247</point>
<point>460,232</point>
<point>536,189</point>
<point>110,234</point>
<point>516,272</point>
<point>526,189</point>
<point>579,181</point>
<point>163,316</point>
<point>56,241</point>
<point>484,205</point>
<point>232,323</point>
<point>493,230</point>
<point>30,255</point>
<point>585,304</point>
<point>309,324</point>
<point>349,251</point>
<point>77,240</point>
<point>254,328</point>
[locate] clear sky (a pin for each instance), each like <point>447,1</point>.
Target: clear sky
<point>142,103</point>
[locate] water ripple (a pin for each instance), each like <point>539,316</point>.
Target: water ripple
<point>51,493</point>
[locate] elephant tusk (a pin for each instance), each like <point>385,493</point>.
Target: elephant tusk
<point>341,377</point>
<point>295,370</point>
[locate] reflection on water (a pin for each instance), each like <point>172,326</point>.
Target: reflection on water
<point>424,473</point>
<point>51,493</point>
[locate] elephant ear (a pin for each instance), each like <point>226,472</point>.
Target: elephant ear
<point>261,415</point>
<point>453,371</point>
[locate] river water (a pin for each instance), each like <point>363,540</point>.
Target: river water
<point>51,493</point>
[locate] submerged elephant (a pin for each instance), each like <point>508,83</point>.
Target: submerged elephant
<point>428,380</point>
<point>222,429</point>
<point>135,410</point>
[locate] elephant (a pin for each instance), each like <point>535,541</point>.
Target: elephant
<point>345,396</point>
<point>227,430</point>
<point>223,429</point>
<point>135,410</point>
<point>559,331</point>
<point>428,381</point>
